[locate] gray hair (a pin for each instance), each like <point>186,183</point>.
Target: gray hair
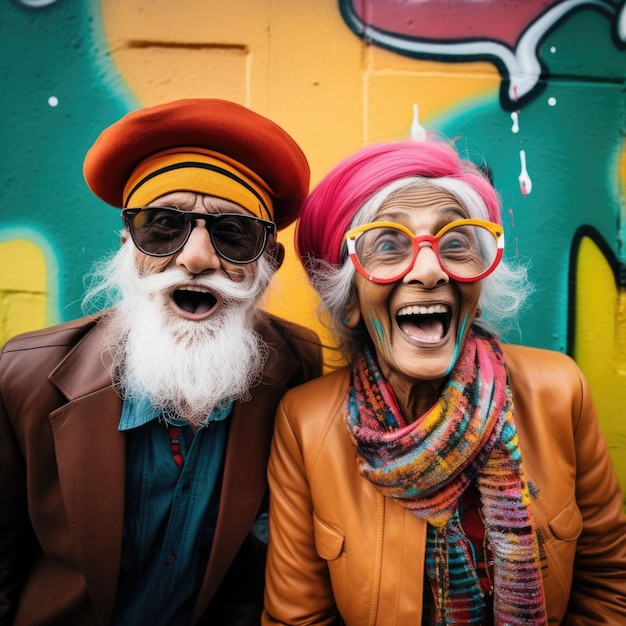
<point>503,294</point>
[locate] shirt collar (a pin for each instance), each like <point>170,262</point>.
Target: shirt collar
<point>137,412</point>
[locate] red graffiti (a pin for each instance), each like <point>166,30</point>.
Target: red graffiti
<point>507,33</point>
<point>454,19</point>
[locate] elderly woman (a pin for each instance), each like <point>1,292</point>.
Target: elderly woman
<point>441,477</point>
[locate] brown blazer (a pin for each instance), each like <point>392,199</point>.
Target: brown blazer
<point>62,471</point>
<point>340,550</point>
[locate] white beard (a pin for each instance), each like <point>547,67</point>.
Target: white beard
<point>185,368</point>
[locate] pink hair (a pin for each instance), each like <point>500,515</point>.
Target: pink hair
<point>331,206</point>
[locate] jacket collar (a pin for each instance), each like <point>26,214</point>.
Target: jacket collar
<point>85,369</point>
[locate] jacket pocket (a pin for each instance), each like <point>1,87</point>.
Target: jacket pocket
<point>330,545</point>
<point>328,541</point>
<point>559,543</point>
<point>568,524</point>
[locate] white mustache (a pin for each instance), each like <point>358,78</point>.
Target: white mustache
<point>172,278</point>
<point>118,279</point>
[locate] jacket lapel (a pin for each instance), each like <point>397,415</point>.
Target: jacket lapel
<point>90,454</point>
<point>245,467</point>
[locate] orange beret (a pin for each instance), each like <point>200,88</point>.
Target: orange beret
<point>248,147</point>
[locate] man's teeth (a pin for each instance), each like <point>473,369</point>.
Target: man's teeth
<point>431,309</point>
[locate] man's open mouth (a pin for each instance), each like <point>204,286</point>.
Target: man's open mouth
<point>428,323</point>
<point>196,301</point>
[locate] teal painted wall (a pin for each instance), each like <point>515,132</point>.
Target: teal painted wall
<point>308,64</point>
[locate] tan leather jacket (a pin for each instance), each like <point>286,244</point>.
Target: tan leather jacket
<point>341,552</point>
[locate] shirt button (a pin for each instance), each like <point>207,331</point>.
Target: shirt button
<point>170,559</point>
<point>186,487</point>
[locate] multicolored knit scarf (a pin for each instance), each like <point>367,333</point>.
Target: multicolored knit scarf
<point>428,464</point>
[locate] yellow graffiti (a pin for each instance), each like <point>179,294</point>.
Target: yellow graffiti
<point>23,295</point>
<point>600,347</point>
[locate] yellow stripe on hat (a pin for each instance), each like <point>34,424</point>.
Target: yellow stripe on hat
<point>200,171</point>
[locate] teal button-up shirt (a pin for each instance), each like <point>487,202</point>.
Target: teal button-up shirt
<point>170,514</point>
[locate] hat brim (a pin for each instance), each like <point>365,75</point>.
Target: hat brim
<point>218,125</point>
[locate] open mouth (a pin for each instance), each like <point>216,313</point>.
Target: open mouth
<point>428,323</point>
<point>197,302</point>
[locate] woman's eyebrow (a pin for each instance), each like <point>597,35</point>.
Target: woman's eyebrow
<point>454,212</point>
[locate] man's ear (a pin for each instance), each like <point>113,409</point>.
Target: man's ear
<point>278,252</point>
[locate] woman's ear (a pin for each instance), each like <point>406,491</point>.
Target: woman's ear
<point>352,315</point>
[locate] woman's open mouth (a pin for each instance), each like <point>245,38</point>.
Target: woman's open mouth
<point>425,323</point>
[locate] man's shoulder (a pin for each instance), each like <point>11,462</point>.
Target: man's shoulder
<point>277,331</point>
<point>66,334</point>
<point>27,361</point>
<point>292,347</point>
<point>287,328</point>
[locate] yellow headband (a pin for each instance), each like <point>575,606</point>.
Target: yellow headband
<point>201,171</point>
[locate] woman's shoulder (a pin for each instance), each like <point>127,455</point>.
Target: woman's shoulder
<point>321,391</point>
<point>313,408</point>
<point>529,353</point>
<point>547,378</point>
<point>537,364</point>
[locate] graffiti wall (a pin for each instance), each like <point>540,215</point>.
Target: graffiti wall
<point>534,90</point>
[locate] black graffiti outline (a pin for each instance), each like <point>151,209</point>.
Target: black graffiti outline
<point>586,231</point>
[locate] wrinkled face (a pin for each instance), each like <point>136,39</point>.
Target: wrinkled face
<point>418,324</point>
<point>189,298</point>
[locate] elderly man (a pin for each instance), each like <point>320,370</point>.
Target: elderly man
<point>134,442</point>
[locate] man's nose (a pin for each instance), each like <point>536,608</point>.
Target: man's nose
<point>198,254</point>
<point>426,269</point>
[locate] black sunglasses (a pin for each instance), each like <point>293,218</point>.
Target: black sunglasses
<point>162,231</point>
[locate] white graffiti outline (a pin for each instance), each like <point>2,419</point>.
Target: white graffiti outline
<point>621,23</point>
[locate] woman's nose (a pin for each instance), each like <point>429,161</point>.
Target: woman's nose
<point>426,269</point>
<point>198,254</point>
